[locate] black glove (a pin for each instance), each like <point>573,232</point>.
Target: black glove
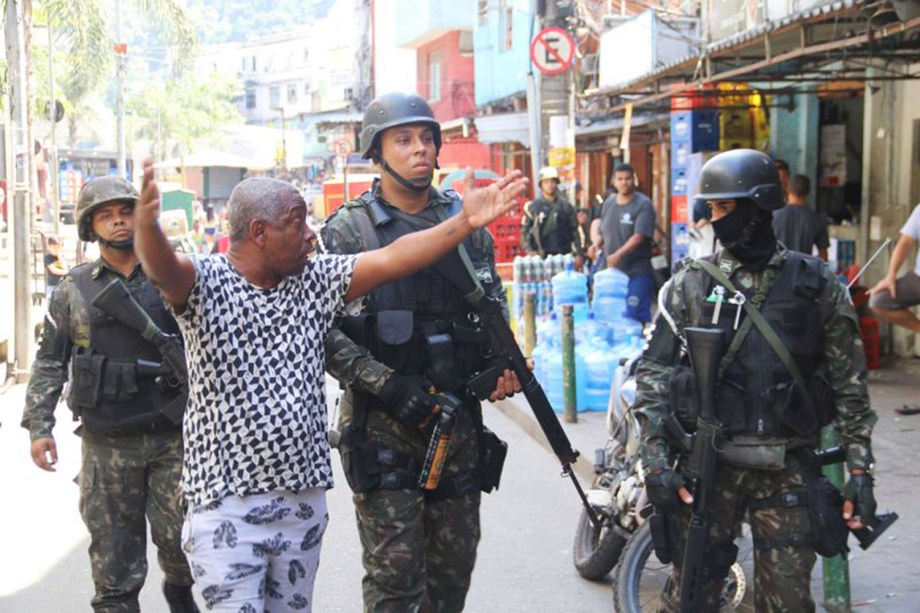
<point>858,490</point>
<point>408,398</point>
<point>661,487</point>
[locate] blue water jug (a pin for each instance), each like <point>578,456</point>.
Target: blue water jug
<point>553,374</point>
<point>599,366</point>
<point>611,288</point>
<point>570,287</point>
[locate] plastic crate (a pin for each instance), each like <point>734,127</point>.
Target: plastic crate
<point>505,252</point>
<point>869,330</point>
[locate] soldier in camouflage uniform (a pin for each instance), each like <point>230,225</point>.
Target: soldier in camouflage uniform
<point>763,469</point>
<point>413,335</point>
<point>132,454</point>
<point>549,224</point>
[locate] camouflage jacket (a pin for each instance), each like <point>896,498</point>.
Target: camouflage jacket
<point>347,361</point>
<point>66,326</point>
<point>554,220</point>
<point>681,301</point>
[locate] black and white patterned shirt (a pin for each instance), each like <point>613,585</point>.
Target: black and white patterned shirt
<point>256,417</point>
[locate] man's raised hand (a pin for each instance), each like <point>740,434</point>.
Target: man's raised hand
<point>483,205</point>
<point>147,209</point>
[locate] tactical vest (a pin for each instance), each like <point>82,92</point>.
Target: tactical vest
<point>420,324</point>
<point>756,394</point>
<point>107,391</point>
<point>556,227</point>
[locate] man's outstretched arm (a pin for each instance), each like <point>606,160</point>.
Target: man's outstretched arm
<point>172,273</point>
<point>418,250</point>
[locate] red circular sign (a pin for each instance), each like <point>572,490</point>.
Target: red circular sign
<point>343,147</point>
<point>552,51</point>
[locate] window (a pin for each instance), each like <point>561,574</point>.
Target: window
<point>250,98</point>
<point>274,97</point>
<point>483,11</point>
<point>252,60</point>
<point>306,55</point>
<point>306,88</point>
<point>434,76</point>
<point>292,93</point>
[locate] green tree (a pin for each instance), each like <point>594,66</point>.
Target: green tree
<point>84,44</point>
<point>180,112</point>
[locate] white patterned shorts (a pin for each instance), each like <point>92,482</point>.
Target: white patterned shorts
<point>257,553</point>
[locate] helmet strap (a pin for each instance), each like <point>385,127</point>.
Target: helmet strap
<point>125,245</point>
<point>416,185</point>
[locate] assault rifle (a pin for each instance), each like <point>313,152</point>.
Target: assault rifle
<point>171,374</point>
<point>457,269</point>
<point>705,347</point>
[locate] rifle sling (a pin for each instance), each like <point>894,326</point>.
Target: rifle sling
<point>769,334</point>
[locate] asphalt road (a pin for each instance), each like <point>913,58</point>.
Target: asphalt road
<point>524,560</point>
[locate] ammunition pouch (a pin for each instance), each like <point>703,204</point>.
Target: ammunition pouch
<point>446,351</point>
<point>112,396</point>
<point>830,529</point>
<point>97,379</point>
<point>795,412</point>
<point>88,374</point>
<point>824,501</point>
<point>662,538</point>
<point>754,452</point>
<point>369,467</point>
<point>684,399</point>
<point>492,453</point>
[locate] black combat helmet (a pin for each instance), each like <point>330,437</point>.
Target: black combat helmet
<point>742,173</point>
<point>391,110</point>
<point>98,192</point>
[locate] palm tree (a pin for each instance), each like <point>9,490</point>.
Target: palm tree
<point>85,60</point>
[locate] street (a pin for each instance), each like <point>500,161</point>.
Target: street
<point>524,560</point>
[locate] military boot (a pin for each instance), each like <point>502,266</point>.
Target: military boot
<point>179,598</point>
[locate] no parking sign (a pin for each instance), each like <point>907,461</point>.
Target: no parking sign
<point>552,51</point>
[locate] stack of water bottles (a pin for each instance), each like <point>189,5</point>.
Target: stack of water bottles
<point>603,335</point>
<point>534,274</point>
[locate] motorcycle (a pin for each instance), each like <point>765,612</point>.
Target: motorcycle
<point>617,492</point>
<point>622,541</point>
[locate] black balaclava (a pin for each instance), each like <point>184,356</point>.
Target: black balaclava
<point>747,233</point>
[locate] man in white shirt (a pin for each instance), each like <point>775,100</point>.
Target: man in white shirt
<point>257,462</point>
<point>893,296</point>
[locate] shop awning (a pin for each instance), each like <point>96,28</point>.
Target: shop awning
<point>503,128</point>
<point>214,160</point>
<point>827,42</point>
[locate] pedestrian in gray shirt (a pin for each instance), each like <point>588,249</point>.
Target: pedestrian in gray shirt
<point>628,227</point>
<point>797,226</point>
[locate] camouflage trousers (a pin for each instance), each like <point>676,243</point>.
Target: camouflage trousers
<point>125,479</point>
<point>418,556</point>
<point>782,575</point>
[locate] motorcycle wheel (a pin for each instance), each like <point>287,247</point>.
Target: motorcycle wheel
<point>640,578</point>
<point>596,550</point>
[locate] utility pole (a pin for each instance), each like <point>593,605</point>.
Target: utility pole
<point>52,152</point>
<point>20,185</point>
<point>120,53</point>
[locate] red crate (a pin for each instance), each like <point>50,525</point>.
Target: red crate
<point>505,252</point>
<point>691,99</point>
<point>869,331</point>
<point>679,212</point>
